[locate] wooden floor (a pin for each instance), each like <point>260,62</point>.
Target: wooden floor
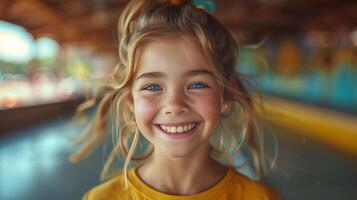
<point>34,165</point>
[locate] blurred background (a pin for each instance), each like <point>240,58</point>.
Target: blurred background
<point>301,54</point>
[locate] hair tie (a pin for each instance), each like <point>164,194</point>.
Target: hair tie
<point>207,5</point>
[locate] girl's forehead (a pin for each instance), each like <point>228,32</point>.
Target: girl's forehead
<point>174,54</point>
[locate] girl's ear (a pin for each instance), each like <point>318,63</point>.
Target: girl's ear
<point>131,106</point>
<point>130,102</point>
<point>226,105</point>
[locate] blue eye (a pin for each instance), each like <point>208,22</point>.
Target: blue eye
<point>152,88</point>
<point>198,86</point>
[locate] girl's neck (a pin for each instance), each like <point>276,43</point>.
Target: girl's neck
<point>181,176</point>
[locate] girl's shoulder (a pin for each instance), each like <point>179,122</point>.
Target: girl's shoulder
<point>251,189</point>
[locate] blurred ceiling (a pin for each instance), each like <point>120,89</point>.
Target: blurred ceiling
<point>93,22</point>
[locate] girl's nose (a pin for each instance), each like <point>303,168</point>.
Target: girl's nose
<point>176,104</point>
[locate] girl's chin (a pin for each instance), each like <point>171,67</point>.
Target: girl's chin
<point>178,152</point>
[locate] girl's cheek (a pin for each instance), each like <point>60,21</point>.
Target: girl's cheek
<point>145,106</point>
<point>213,110</point>
<point>209,104</point>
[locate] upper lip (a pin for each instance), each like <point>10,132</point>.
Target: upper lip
<point>177,123</point>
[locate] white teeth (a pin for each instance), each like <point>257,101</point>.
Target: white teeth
<point>178,129</point>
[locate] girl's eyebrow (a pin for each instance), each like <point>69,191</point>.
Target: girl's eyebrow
<point>150,75</point>
<point>189,73</point>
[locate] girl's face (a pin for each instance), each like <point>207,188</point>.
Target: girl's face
<point>176,99</point>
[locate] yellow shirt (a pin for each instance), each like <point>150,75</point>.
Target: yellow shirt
<point>233,186</point>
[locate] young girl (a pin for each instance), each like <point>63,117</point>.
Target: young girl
<point>176,86</point>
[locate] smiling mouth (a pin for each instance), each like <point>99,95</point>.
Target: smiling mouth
<point>184,128</point>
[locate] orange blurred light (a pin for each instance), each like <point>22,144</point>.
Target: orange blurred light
<point>10,101</point>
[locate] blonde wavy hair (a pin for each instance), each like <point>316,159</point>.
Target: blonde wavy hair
<point>148,20</point>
